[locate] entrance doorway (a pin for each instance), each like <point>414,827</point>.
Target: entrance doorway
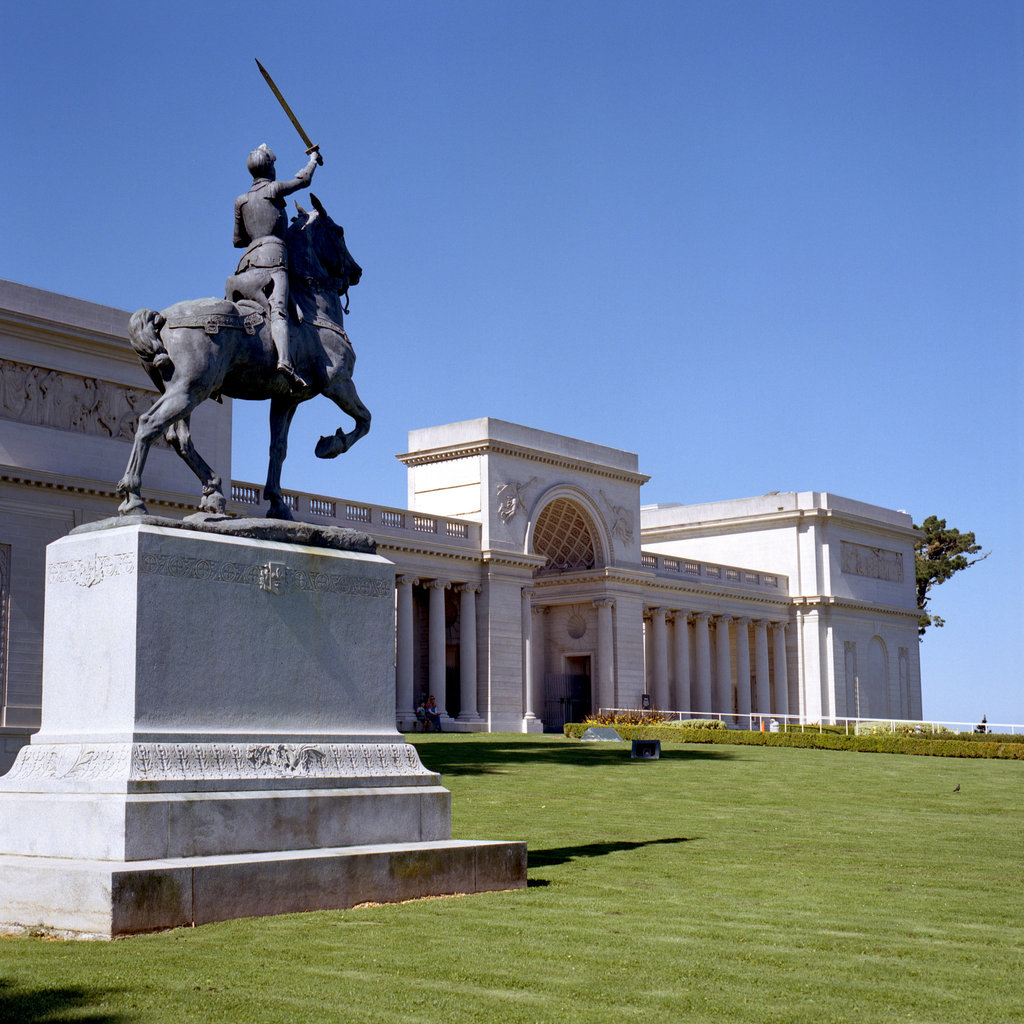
<point>567,696</point>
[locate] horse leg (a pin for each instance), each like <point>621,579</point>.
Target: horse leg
<point>343,393</point>
<point>180,437</point>
<point>282,409</point>
<point>170,407</point>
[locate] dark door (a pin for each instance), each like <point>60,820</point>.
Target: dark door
<point>567,696</point>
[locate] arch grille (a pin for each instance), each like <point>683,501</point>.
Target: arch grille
<point>563,536</point>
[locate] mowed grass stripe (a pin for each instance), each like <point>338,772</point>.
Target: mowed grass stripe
<point>722,884</point>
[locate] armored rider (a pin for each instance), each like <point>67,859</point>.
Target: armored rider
<point>260,223</point>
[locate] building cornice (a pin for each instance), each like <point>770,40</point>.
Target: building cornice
<point>488,446</point>
<point>81,485</point>
<point>819,602</point>
<point>654,589</point>
<point>721,593</point>
<point>511,559</point>
<point>761,520</point>
<point>104,334</point>
<point>412,550</point>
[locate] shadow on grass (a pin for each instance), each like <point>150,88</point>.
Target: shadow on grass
<point>53,1006</point>
<point>564,854</point>
<point>453,754</point>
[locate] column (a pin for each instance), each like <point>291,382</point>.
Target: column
<point>405,698</point>
<point>743,673</point>
<point>467,652</point>
<point>762,679</point>
<point>660,699</point>
<point>435,644</point>
<point>681,661</point>
<point>723,666</point>
<point>528,682</point>
<point>702,688</point>
<point>781,670</point>
<point>605,654</point>
<point>538,638</point>
<point>648,646</point>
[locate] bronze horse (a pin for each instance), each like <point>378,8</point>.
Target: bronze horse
<point>205,348</point>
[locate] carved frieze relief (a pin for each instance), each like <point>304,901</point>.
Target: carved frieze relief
<point>67,401</point>
<point>875,563</point>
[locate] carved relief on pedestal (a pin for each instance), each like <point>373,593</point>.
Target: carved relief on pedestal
<point>875,563</point>
<point>272,577</point>
<point>66,401</point>
<point>201,761</point>
<point>87,572</point>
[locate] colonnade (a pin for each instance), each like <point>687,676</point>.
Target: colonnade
<point>688,683</point>
<point>695,672</point>
<point>436,670</point>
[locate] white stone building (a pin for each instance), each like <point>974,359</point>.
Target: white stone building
<point>532,585</point>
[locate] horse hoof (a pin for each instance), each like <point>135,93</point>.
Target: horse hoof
<point>283,512</point>
<point>214,503</point>
<point>131,506</point>
<point>326,447</point>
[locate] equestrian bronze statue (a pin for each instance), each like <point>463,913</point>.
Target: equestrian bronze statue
<point>206,348</point>
<point>277,334</point>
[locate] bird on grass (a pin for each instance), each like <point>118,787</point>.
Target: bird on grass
<point>957,790</point>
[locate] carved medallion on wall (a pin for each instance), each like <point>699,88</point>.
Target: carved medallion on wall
<point>576,625</point>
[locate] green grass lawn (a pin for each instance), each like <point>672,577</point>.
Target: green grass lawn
<point>716,884</point>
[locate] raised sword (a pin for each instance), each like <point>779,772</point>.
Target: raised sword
<point>311,146</point>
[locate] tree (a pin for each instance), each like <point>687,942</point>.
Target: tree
<point>939,552</point>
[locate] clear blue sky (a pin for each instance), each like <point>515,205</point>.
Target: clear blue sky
<point>766,245</point>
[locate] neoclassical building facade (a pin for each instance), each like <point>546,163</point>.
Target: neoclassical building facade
<point>532,584</point>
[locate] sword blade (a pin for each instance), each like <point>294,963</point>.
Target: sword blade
<point>288,110</point>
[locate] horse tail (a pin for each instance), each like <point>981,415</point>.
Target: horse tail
<point>144,334</point>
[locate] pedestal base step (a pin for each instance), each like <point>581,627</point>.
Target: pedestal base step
<point>104,899</point>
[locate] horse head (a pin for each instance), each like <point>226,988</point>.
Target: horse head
<point>316,246</point>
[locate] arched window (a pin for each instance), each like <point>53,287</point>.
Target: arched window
<point>564,535</point>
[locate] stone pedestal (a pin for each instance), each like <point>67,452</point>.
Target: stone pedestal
<point>218,740</point>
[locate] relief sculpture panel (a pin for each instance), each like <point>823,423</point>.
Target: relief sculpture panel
<point>875,563</point>
<point>66,401</point>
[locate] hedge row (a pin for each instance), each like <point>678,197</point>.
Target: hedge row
<point>816,740</point>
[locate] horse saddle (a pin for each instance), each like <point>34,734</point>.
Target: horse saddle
<point>213,314</point>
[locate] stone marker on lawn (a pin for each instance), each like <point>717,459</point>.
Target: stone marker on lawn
<point>599,733</point>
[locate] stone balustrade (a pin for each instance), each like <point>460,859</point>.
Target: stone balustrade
<point>674,567</point>
<point>377,520</point>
